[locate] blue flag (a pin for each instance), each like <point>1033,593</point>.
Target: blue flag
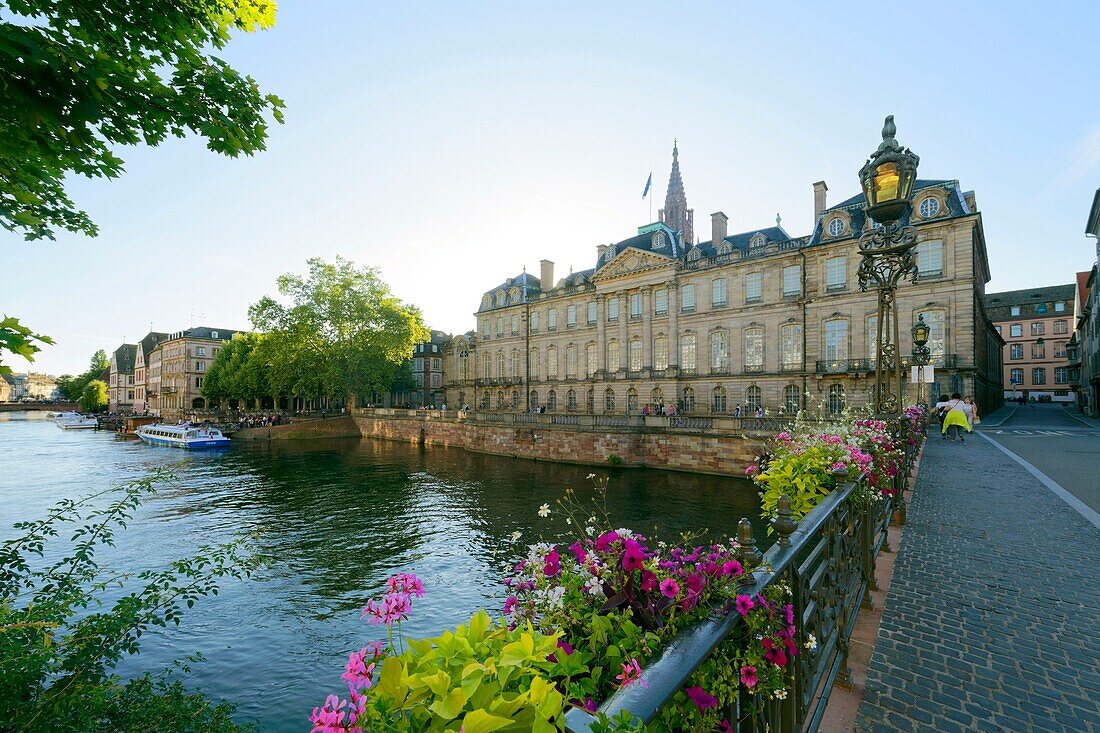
<point>648,183</point>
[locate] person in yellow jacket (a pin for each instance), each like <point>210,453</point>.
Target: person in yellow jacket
<point>957,414</point>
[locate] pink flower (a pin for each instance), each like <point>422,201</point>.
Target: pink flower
<point>788,613</point>
<point>605,541</point>
<point>784,436</point>
<point>551,565</point>
<point>590,705</point>
<point>329,718</point>
<point>752,470</point>
<point>565,647</point>
<point>357,673</point>
<point>724,726</point>
<point>670,587</point>
<point>649,581</point>
<point>701,697</point>
<point>732,567</point>
<point>838,466</point>
<point>406,583</point>
<point>578,552</point>
<point>744,605</point>
<point>632,556</point>
<point>631,673</point>
<point>748,677</point>
<point>694,583</point>
<point>774,653</point>
<point>510,604</point>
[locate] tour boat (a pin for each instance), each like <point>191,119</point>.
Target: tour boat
<point>75,421</point>
<point>190,437</point>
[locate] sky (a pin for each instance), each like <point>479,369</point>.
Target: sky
<point>450,145</point>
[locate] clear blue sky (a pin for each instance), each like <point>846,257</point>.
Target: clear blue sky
<point>451,144</point>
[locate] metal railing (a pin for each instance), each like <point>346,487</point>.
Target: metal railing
<point>842,366</point>
<point>828,560</point>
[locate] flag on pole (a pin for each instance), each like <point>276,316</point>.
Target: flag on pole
<point>648,183</point>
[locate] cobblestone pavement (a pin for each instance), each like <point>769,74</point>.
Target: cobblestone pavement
<point>992,622</point>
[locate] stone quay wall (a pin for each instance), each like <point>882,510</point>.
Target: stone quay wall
<point>336,427</point>
<point>717,446</point>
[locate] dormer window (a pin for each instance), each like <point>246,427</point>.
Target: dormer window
<point>725,248</point>
<point>659,240</point>
<point>213,334</point>
<point>609,255</point>
<point>694,255</point>
<point>500,298</point>
<point>485,302</point>
<point>836,227</point>
<point>758,240</point>
<point>513,295</point>
<point>929,207</point>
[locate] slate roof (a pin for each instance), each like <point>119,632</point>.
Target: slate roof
<point>999,304</point>
<point>151,339</point>
<point>124,358</point>
<point>673,247</point>
<point>527,283</point>
<point>204,332</point>
<point>956,205</point>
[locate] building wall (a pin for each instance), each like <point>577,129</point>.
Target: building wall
<point>184,361</point>
<point>1042,369</point>
<point>810,370</point>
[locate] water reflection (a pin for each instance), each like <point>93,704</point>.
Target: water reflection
<point>337,517</point>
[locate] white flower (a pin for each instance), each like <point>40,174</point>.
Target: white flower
<point>515,536</point>
<point>811,642</point>
<point>591,476</point>
<point>780,694</point>
<point>590,530</point>
<point>568,520</point>
<point>623,532</point>
<point>544,510</point>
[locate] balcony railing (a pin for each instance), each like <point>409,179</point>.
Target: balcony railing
<point>844,366</point>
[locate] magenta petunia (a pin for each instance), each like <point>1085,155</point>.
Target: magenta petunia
<point>551,565</point>
<point>605,541</point>
<point>701,697</point>
<point>744,605</point>
<point>632,556</point>
<point>565,647</point>
<point>732,567</point>
<point>649,581</point>
<point>578,552</point>
<point>670,587</point>
<point>748,676</point>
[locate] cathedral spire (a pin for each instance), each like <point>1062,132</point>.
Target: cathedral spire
<point>676,215</point>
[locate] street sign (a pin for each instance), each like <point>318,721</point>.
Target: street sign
<point>925,374</point>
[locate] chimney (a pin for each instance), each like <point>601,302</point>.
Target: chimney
<point>547,276</point>
<point>718,228</point>
<point>601,250</point>
<point>819,199</point>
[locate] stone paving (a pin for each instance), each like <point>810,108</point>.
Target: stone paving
<point>992,622</point>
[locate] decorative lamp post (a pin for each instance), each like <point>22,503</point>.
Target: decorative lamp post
<point>887,255</point>
<point>921,353</point>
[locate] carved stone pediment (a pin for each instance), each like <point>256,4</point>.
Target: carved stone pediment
<point>630,261</point>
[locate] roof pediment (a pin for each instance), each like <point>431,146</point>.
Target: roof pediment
<point>630,261</point>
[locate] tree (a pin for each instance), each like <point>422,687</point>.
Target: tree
<point>98,364</point>
<point>342,333</point>
<point>238,371</point>
<point>80,79</point>
<point>18,339</point>
<point>94,396</point>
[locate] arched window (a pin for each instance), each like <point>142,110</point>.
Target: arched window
<point>484,403</point>
<point>752,397</point>
<point>631,401</point>
<point>552,363</point>
<point>609,400</point>
<point>534,364</point>
<point>836,399</point>
<point>500,399</point>
<point>571,361</point>
<point>657,396</point>
<point>718,399</point>
<point>461,400</point>
<point>590,401</point>
<point>636,355</point>
<point>758,240</point>
<point>792,399</point>
<point>591,360</point>
<point>464,364</point>
<point>660,353</point>
<point>515,399</point>
<point>613,355</point>
<point>694,255</point>
<point>534,399</point>
<point>724,248</point>
<point>754,349</point>
<point>551,401</point>
<point>485,366</point>
<point>500,365</point>
<point>571,400</point>
<point>514,373</point>
<point>689,399</point>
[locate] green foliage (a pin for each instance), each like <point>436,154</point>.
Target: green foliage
<point>343,331</point>
<point>805,478</point>
<point>94,398</point>
<point>240,370</point>
<point>80,79</point>
<point>17,339</point>
<point>614,460</point>
<point>60,639</point>
<point>481,677</point>
<point>72,388</point>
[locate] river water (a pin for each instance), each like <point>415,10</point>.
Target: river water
<point>336,517</point>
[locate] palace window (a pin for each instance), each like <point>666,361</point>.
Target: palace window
<point>534,397</point>
<point>752,397</point>
<point>660,353</point>
<point>930,259</point>
<point>635,305</point>
<point>464,364</point>
<point>533,364</point>
<point>754,349</point>
<point>836,227</point>
<point>689,399</point>
<point>552,319</point>
<point>929,207</point>
<point>836,340</point>
<point>551,401</point>
<point>591,313</point>
<point>591,360</point>
<point>613,308</point>
<point>514,365</point>
<point>687,352</point>
<point>718,298</point>
<point>552,363</point>
<point>792,399</point>
<point>571,362</point>
<point>500,365</point>
<point>790,346</point>
<point>571,316</point>
<point>571,400</point>
<point>590,401</point>
<point>752,287</point>
<point>836,399</point>
<point>836,273</point>
<point>500,327</point>
<point>660,302</point>
<point>937,335</point>
<point>613,352</point>
<point>687,298</point>
<point>515,399</point>
<point>657,397</point>
<point>719,352</point>
<point>534,321</point>
<point>500,399</point>
<point>718,399</point>
<point>609,400</point>
<point>792,280</point>
<point>631,401</point>
<point>636,355</point>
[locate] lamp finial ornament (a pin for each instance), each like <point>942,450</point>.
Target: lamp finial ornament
<point>889,130</point>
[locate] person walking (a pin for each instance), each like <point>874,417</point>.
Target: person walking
<point>974,418</point>
<point>956,416</point>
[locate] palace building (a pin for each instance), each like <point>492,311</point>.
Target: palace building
<point>751,318</point>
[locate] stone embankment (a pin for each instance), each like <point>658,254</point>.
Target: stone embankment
<point>342,426</point>
<point>695,444</point>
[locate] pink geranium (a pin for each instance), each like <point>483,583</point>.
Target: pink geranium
<point>701,697</point>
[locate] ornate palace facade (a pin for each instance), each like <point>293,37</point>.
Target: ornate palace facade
<point>750,319</point>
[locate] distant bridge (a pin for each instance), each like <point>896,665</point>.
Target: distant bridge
<point>39,406</point>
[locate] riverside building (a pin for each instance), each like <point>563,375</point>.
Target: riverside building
<point>177,365</point>
<point>753,318</point>
<point>1036,325</point>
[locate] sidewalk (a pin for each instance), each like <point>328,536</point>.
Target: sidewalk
<point>992,622</point>
<point>998,417</point>
<point>1074,413</point>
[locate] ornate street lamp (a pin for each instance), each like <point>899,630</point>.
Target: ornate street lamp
<point>887,255</point>
<point>921,353</point>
